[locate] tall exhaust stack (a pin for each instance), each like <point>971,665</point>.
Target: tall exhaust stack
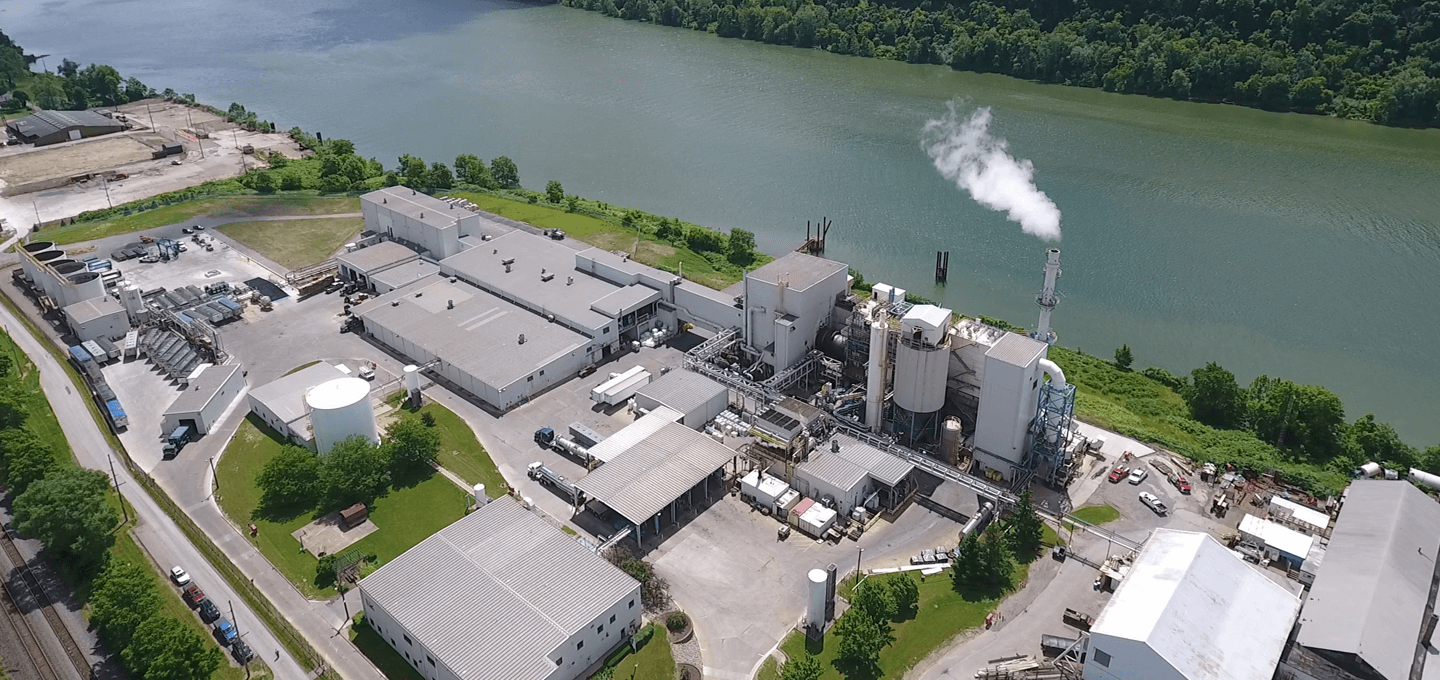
<point>1047,298</point>
<point>875,373</point>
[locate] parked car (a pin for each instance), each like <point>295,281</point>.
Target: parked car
<point>225,632</point>
<point>208,611</point>
<point>186,230</point>
<point>1138,475</point>
<point>1182,484</point>
<point>367,372</point>
<point>199,227</point>
<point>179,576</point>
<point>242,652</point>
<point>193,595</point>
<point>1118,474</point>
<point>1154,503</point>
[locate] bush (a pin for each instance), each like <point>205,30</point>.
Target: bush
<point>677,621</point>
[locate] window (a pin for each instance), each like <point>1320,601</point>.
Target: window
<point>612,618</point>
<point>600,629</point>
<point>607,330</point>
<point>580,645</point>
<point>632,604</point>
<point>542,372</point>
<point>1102,658</point>
<point>432,661</point>
<point>407,639</point>
<point>559,660</point>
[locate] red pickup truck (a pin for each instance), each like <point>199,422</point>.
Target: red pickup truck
<point>1118,474</point>
<point>193,595</point>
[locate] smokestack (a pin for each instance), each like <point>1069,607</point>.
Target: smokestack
<point>1047,299</point>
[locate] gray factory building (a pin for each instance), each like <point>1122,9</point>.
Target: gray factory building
<point>100,317</point>
<point>854,474</point>
<point>787,302</point>
<point>205,399</point>
<point>53,127</point>
<point>697,398</point>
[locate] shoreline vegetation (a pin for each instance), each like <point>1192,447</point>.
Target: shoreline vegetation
<point>1372,60</point>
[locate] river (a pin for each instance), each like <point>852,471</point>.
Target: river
<point>1302,247</point>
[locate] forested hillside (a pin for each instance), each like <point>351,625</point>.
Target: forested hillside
<point>1367,59</point>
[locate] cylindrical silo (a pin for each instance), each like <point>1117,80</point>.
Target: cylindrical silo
<point>60,271</point>
<point>84,286</point>
<point>922,359</point>
<point>340,409</point>
<point>45,279</point>
<point>34,250</point>
<point>134,301</point>
<point>412,384</point>
<point>479,493</point>
<point>815,612</point>
<point>950,436</point>
<point>875,376</point>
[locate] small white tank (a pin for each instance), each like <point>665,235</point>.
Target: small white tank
<point>815,612</point>
<point>950,436</point>
<point>412,378</point>
<point>340,409</point>
<point>480,498</point>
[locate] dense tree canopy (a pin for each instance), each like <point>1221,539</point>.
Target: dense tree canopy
<point>166,649</point>
<point>68,513</point>
<point>1369,59</point>
<point>354,471</point>
<point>292,477</point>
<point>121,598</point>
<point>412,445</point>
<point>1215,398</point>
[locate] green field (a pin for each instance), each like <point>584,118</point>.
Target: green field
<point>460,451</point>
<point>770,670</point>
<point>1096,514</point>
<point>405,516</point>
<point>296,243</point>
<point>232,206</point>
<point>653,661</point>
<point>942,614</point>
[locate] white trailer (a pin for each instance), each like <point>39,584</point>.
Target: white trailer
<point>620,386</point>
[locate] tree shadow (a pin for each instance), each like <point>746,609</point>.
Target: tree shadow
<point>406,478</point>
<point>982,590</point>
<point>853,670</point>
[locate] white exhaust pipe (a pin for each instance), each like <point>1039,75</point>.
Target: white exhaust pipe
<point>1432,481</point>
<point>875,374</point>
<point>1052,369</point>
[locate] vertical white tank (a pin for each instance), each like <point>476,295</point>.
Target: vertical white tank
<point>84,286</point>
<point>815,612</point>
<point>875,375</point>
<point>922,359</point>
<point>950,436</point>
<point>45,278</point>
<point>33,250</point>
<point>134,301</point>
<point>479,493</point>
<point>340,409</point>
<point>412,384</point>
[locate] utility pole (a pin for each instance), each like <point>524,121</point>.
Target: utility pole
<point>150,113</point>
<point>233,622</point>
<point>213,475</point>
<point>858,573</point>
<point>116,481</point>
<point>37,212</point>
<point>236,136</point>
<point>105,181</point>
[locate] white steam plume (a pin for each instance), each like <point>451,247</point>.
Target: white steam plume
<point>964,151</point>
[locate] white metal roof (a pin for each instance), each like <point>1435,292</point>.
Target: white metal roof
<point>1370,596</point>
<point>1016,350</point>
<point>683,391</point>
<point>285,396</point>
<point>379,256</point>
<point>1199,607</point>
<point>494,594</point>
<point>848,467</point>
<point>1279,537</point>
<point>1307,516</point>
<point>634,433</point>
<point>646,477</point>
<point>800,270</point>
<point>86,311</point>
<point>202,389</point>
<point>929,317</point>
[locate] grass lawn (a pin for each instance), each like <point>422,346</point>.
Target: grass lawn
<point>1049,537</point>
<point>1096,514</point>
<point>405,515</point>
<point>770,670</point>
<point>611,236</point>
<point>231,206</point>
<point>652,661</point>
<point>460,451</point>
<point>296,243</point>
<point>375,648</point>
<point>942,614</point>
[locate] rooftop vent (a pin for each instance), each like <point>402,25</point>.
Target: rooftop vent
<point>522,338</point>
<point>384,200</point>
<point>550,318</point>
<point>412,192</point>
<point>419,293</point>
<point>394,303</point>
<point>454,279</point>
<point>569,280</point>
<point>422,214</point>
<point>508,261</point>
<point>835,445</point>
<point>449,304</point>
<point>507,269</point>
<point>546,277</point>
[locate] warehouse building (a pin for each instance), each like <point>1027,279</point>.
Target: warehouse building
<point>1189,609</point>
<point>1279,543</point>
<point>98,317</point>
<point>853,474</point>
<point>281,404</point>
<point>428,224</point>
<point>697,398</point>
<point>205,399</point>
<point>52,127</point>
<point>1298,517</point>
<point>361,264</point>
<point>1368,615</point>
<point>655,471</point>
<point>501,595</point>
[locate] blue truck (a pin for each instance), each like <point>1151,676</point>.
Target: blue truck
<point>177,440</point>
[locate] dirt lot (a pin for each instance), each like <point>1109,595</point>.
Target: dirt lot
<point>77,158</point>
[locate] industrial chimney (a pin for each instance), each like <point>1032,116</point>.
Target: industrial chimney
<point>1047,299</point>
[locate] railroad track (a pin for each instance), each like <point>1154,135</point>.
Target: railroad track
<point>15,626</point>
<point>37,594</point>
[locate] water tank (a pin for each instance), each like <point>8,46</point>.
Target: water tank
<point>479,493</point>
<point>43,277</point>
<point>412,378</point>
<point>34,249</point>
<point>815,612</point>
<point>950,437</point>
<point>921,371</point>
<point>84,286</point>
<point>340,409</point>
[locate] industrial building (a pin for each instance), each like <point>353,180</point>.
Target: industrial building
<point>340,409</point>
<point>1298,517</point>
<point>281,403</point>
<point>1189,609</point>
<point>366,265</point>
<point>52,127</point>
<point>100,317</point>
<point>1279,543</point>
<point>788,302</point>
<point>205,398</point>
<point>426,223</point>
<point>1369,614</point>
<point>697,398</point>
<point>849,473</point>
<point>501,595</point>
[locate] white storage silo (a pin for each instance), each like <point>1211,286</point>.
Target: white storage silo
<point>340,409</point>
<point>479,493</point>
<point>84,286</point>
<point>44,278</point>
<point>412,384</point>
<point>922,359</point>
<point>34,250</point>
<point>815,613</point>
<point>134,301</point>
<point>951,435</point>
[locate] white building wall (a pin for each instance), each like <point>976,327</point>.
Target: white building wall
<point>409,648</point>
<point>440,242</point>
<point>1008,399</point>
<point>705,311</point>
<point>207,417</point>
<point>845,499</point>
<point>1128,660</point>
<point>810,307</point>
<point>111,326</point>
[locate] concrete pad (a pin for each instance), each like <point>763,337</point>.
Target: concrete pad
<point>1115,444</point>
<point>325,537</point>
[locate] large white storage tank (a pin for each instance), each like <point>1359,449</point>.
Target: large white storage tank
<point>340,409</point>
<point>922,359</point>
<point>815,612</point>
<point>34,250</point>
<point>44,278</point>
<point>84,286</point>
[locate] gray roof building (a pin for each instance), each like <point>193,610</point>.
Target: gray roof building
<point>86,311</point>
<point>496,595</point>
<point>639,482</point>
<point>402,275</point>
<point>801,270</point>
<point>285,396</point>
<point>1016,350</point>
<point>50,127</point>
<point>844,466</point>
<point>684,391</point>
<point>1368,602</point>
<point>204,389</point>
<point>540,275</point>
<point>379,256</point>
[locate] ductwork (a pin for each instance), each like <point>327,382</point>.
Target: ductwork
<point>1052,369</point>
<point>1432,481</point>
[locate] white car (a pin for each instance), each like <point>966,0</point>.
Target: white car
<point>1154,503</point>
<point>367,372</point>
<point>1138,475</point>
<point>179,576</point>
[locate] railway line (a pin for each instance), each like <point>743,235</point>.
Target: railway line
<point>45,666</point>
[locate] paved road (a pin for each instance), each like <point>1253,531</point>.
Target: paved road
<point>156,532</point>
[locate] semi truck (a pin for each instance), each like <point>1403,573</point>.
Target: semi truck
<point>547,477</point>
<point>177,440</point>
<point>620,386</point>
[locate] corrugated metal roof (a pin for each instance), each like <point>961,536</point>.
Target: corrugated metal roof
<point>801,270</point>
<point>634,433</point>
<point>285,396</point>
<point>642,480</point>
<point>1370,596</point>
<point>203,389</point>
<point>1016,350</point>
<point>846,468</point>
<point>1308,516</point>
<point>683,391</point>
<point>1282,538</point>
<point>378,256</point>
<point>1200,608</point>
<point>86,311</point>
<point>494,594</point>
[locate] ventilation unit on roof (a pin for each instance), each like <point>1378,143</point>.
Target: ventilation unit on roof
<point>546,277</point>
<point>449,304</point>
<point>385,200</point>
<point>394,303</point>
<point>507,269</point>
<point>569,280</point>
<point>522,338</point>
<point>550,318</point>
<point>454,279</point>
<point>508,261</point>
<point>422,214</point>
<point>419,293</point>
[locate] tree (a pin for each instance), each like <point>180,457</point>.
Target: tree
<point>1026,529</point>
<point>166,649</point>
<point>804,667</point>
<point>265,182</point>
<point>68,513</point>
<point>354,471</point>
<point>67,68</point>
<point>906,593</point>
<point>340,147</point>
<point>506,175</point>
<point>1215,398</point>
<point>741,246</point>
<point>412,446</point>
<point>414,171</point>
<point>554,192</point>
<point>136,90</point>
<point>861,640</point>
<point>472,170</point>
<point>1123,358</point>
<point>440,177</point>
<point>122,597</point>
<point>572,203</point>
<point>27,459</point>
<point>1304,418</point>
<point>1380,442</point>
<point>291,478</point>
<point>874,598</point>
<point>13,410</point>
<point>669,230</point>
<point>967,566</point>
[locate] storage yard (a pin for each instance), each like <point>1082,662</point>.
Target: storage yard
<point>736,439</point>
